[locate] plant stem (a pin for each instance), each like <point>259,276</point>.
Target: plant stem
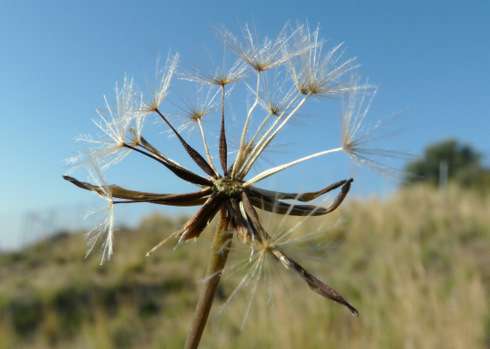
<point>217,260</point>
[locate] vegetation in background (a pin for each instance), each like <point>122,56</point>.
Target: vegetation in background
<point>416,265</point>
<point>450,160</point>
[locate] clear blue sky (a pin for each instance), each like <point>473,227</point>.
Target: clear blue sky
<point>431,60</point>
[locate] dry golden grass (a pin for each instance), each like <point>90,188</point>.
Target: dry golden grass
<point>416,266</point>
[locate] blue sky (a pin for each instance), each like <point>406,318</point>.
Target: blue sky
<point>430,60</point>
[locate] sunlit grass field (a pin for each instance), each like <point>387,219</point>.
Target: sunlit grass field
<point>416,266</point>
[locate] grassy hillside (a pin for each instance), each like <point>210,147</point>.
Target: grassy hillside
<point>416,266</point>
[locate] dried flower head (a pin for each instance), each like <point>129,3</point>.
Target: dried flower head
<point>226,190</point>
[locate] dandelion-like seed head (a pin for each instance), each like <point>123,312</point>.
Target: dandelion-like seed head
<point>287,73</point>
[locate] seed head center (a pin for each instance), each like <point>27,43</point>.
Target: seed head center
<point>231,187</point>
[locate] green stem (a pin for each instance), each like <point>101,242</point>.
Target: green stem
<point>217,261</point>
